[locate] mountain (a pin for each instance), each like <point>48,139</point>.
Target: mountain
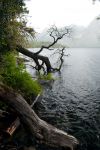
<point>91,35</point>
<point>80,36</point>
<point>43,36</point>
<point>76,33</point>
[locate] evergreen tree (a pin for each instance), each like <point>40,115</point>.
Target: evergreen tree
<point>12,23</point>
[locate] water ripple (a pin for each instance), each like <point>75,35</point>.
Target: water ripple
<point>73,102</point>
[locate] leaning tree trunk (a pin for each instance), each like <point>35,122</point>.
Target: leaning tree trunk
<point>45,132</point>
<point>35,57</point>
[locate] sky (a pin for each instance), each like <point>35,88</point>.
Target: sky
<point>45,13</point>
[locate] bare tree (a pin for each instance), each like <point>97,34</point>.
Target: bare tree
<point>43,131</point>
<point>56,35</point>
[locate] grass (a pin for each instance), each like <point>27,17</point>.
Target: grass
<point>46,77</point>
<point>15,76</point>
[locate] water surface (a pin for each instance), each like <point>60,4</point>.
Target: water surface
<point>72,103</point>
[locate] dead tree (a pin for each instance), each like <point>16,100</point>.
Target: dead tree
<point>36,58</point>
<point>56,35</point>
<point>43,131</point>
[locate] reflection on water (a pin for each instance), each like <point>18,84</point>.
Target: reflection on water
<point>73,102</point>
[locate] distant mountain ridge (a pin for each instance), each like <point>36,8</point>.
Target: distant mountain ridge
<point>91,35</point>
<point>80,36</point>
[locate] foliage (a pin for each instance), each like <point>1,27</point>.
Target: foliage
<point>15,75</point>
<point>12,24</point>
<point>12,33</point>
<point>46,77</point>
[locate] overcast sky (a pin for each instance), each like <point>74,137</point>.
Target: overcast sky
<point>45,13</point>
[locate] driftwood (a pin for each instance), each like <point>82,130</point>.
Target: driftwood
<point>12,128</point>
<point>6,131</point>
<point>43,131</point>
<point>39,96</point>
<point>15,124</point>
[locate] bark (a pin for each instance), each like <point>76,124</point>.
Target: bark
<point>45,132</point>
<point>56,35</point>
<point>16,123</point>
<point>36,57</point>
<point>10,130</point>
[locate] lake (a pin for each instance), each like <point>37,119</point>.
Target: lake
<point>72,103</point>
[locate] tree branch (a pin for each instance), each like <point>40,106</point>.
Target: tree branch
<point>56,36</point>
<point>35,57</point>
<point>61,52</point>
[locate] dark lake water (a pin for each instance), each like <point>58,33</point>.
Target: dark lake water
<point>72,103</point>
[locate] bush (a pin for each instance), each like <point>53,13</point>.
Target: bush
<point>46,77</point>
<point>15,75</point>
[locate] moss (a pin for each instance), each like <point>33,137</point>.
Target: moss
<point>46,77</point>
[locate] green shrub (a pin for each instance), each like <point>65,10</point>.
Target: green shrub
<point>15,75</point>
<point>46,77</point>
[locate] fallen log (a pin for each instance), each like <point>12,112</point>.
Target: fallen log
<point>45,132</point>
<point>15,124</point>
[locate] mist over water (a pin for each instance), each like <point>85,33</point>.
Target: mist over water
<point>72,103</point>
